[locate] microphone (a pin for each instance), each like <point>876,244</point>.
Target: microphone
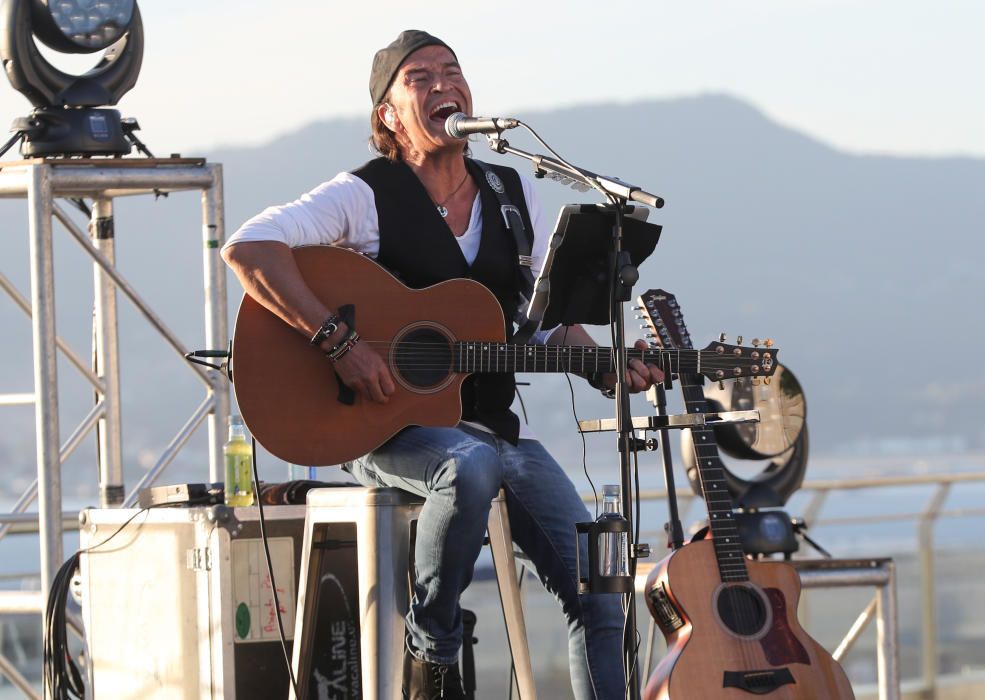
<point>459,125</point>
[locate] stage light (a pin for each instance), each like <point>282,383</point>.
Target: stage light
<point>69,118</point>
<point>780,438</point>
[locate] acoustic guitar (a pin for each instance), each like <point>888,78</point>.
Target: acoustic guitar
<point>730,623</point>
<point>431,340</point>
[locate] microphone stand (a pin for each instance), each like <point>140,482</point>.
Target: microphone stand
<point>622,278</point>
<point>612,187</point>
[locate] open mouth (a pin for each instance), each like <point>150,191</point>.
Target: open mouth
<point>441,112</point>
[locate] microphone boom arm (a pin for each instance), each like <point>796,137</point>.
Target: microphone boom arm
<point>610,186</point>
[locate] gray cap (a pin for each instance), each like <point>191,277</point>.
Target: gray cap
<point>387,61</point>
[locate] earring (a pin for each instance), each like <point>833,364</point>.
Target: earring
<point>388,115</point>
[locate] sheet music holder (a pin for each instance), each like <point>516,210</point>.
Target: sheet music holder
<point>573,285</point>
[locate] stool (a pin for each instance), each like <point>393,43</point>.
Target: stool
<point>354,586</point>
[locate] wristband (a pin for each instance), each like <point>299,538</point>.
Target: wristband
<point>328,327</point>
<point>337,352</point>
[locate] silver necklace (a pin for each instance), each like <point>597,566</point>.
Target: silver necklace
<point>442,209</point>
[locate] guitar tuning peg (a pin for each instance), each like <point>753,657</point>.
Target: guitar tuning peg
<point>721,337</point>
<point>721,385</point>
<point>768,342</point>
<point>756,342</point>
<point>738,340</point>
<point>756,381</point>
<point>767,380</point>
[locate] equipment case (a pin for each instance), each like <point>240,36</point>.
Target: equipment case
<point>178,605</point>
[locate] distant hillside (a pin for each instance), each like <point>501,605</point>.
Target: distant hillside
<point>864,269</point>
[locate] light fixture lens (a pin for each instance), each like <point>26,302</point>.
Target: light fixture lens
<point>91,24</point>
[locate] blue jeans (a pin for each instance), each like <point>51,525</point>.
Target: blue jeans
<point>459,471</point>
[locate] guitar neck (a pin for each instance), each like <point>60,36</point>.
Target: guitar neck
<point>721,520</point>
<point>477,356</point>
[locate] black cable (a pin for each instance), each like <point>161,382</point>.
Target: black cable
<point>584,444</point>
<point>80,204</point>
<point>270,569</point>
<point>591,180</point>
<point>523,406</point>
<point>11,141</point>
<point>62,678</point>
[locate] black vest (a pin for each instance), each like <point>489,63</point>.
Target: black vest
<point>419,248</point>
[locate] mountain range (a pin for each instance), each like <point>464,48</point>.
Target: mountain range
<point>864,269</point>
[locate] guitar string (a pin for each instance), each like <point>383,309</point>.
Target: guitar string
<point>427,360</point>
<point>742,605</point>
<point>423,352</point>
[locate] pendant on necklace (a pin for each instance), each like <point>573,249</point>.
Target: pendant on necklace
<point>443,211</point>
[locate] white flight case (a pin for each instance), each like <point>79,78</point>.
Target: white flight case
<point>179,603</point>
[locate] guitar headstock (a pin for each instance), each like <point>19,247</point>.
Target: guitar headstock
<point>719,360</point>
<point>663,315</point>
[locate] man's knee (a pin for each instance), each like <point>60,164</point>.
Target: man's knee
<point>473,471</point>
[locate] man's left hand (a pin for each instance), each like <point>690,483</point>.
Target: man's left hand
<point>639,375</point>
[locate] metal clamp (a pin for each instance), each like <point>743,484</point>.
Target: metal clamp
<point>676,421</point>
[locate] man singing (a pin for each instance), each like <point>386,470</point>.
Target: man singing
<point>428,213</point>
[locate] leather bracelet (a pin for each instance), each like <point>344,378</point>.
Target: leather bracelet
<point>337,352</point>
<point>328,327</point>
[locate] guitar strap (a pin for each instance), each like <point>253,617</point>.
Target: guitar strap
<point>346,396</point>
<point>514,224</point>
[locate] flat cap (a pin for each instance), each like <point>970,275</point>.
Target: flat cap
<point>387,61</point>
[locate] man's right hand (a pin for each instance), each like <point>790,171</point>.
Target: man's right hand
<point>364,371</point>
<point>268,272</point>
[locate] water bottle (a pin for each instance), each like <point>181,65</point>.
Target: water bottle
<point>239,465</point>
<point>295,472</point>
<point>613,544</point>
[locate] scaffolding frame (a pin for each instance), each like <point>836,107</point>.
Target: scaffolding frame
<point>42,182</point>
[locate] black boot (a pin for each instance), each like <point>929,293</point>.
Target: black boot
<point>427,681</point>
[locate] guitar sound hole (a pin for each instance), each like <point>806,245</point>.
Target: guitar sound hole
<point>423,358</point>
<point>742,610</point>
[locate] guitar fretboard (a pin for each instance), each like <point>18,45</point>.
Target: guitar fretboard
<point>721,520</point>
<point>475,356</point>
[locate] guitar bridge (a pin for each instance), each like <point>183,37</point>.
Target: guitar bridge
<point>758,682</point>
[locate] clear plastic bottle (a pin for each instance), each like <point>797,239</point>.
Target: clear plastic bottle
<point>296,472</point>
<point>239,465</point>
<point>613,546</point>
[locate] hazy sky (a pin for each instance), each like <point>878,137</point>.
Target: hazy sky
<point>891,76</point>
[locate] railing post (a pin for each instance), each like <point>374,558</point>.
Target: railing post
<point>928,594</point>
<point>887,636</point>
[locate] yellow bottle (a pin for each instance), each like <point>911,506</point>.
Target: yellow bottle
<point>239,465</point>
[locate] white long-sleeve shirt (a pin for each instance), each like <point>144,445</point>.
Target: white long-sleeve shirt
<point>342,212</point>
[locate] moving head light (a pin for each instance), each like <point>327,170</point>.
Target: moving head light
<point>68,119</point>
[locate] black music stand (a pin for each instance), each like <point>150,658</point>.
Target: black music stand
<point>574,285</point>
